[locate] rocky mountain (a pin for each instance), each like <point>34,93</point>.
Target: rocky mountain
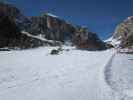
<point>15,14</point>
<point>54,28</point>
<point>51,27</point>
<point>124,33</point>
<point>13,38</point>
<point>19,31</point>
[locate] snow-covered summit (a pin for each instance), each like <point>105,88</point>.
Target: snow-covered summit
<point>52,15</point>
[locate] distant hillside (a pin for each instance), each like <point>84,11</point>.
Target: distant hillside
<point>124,32</point>
<point>46,29</point>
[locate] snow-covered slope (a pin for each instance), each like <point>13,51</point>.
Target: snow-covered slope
<point>71,75</point>
<point>119,74</point>
<point>52,15</point>
<point>40,37</point>
<point>113,41</point>
<point>37,75</point>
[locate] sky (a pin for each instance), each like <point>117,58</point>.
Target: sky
<point>99,16</point>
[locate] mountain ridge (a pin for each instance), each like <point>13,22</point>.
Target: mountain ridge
<point>50,27</point>
<point>123,34</point>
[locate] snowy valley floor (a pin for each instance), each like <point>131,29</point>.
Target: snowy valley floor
<point>71,75</point>
<point>119,75</point>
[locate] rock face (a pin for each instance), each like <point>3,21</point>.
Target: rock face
<point>84,39</point>
<point>124,32</point>
<point>14,13</point>
<point>42,30</point>
<point>51,28</point>
<point>54,28</point>
<point>8,31</point>
<point>11,37</point>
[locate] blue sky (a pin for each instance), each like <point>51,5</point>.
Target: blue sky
<point>100,16</point>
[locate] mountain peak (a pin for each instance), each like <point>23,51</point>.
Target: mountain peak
<point>124,33</point>
<point>49,27</point>
<point>49,14</point>
<point>52,15</point>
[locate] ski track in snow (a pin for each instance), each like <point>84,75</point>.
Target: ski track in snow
<point>118,75</point>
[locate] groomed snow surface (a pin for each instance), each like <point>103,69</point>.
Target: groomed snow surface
<point>72,75</point>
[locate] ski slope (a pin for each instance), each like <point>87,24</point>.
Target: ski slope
<point>72,75</point>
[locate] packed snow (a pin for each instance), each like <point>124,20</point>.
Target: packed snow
<point>73,74</point>
<point>119,75</point>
